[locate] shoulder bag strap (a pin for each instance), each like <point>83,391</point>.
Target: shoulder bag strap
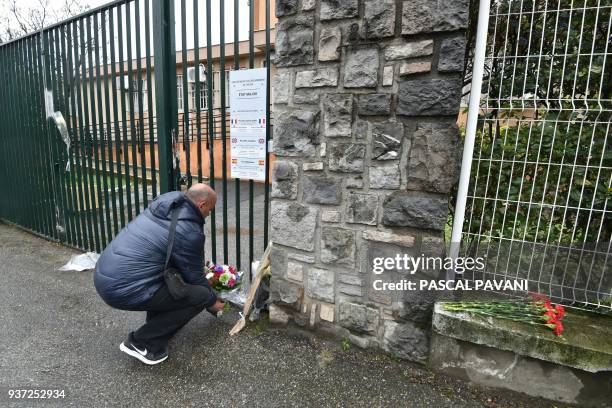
<point>171,231</point>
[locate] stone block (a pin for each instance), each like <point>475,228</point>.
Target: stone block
<point>417,210</point>
<point>362,208</point>
<point>452,54</point>
<point>361,129</point>
<point>326,312</point>
<point>374,104</point>
<point>354,182</point>
<point>387,140</point>
<point>316,78</point>
<point>321,285</point>
<point>406,340</point>
<point>316,166</point>
<point>415,305</point>
<point>294,224</point>
<point>350,290</point>
<point>351,34</point>
<point>425,16</point>
<point>389,237</point>
<point>295,271</point>
<point>296,133</point>
<point>350,279</point>
<point>286,292</point>
<point>358,318</point>
<point>387,176</point>
<point>321,189</point>
<point>330,216</point>
<point>337,246</point>
<point>308,5</point>
<point>278,260</point>
<point>281,86</point>
<point>412,49</point>
<point>278,315</point>
<point>295,41</point>
<point>337,9</point>
<point>330,40</point>
<point>301,258</point>
<point>284,179</point>
<point>434,157</point>
<point>379,18</point>
<point>388,75</point>
<point>413,68</point>
<point>433,246</point>
<point>428,97</point>
<point>346,157</point>
<point>337,114</point>
<point>361,68</point>
<point>305,96</point>
<point>286,7</point>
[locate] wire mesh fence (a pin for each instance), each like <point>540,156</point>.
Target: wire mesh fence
<point>538,202</point>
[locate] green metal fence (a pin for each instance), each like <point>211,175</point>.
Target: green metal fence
<point>111,76</point>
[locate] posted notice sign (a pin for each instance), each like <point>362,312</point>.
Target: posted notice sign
<point>248,123</point>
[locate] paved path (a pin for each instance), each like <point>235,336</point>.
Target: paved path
<point>56,333</point>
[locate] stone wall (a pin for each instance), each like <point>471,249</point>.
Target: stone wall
<point>366,96</point>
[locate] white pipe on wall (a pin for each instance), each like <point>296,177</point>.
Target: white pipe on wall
<point>470,133</point>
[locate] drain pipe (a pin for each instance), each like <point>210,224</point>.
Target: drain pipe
<point>470,133</point>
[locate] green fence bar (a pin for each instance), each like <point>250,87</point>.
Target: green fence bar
<point>139,82</point>
<point>184,62</point>
<point>115,78</point>
<point>198,107</point>
<point>47,149</point>
<point>237,180</point>
<point>108,82</point>
<point>150,105</point>
<point>95,167</point>
<point>211,125</point>
<point>78,133</point>
<point>55,139</point>
<point>267,182</point>
<point>124,129</point>
<point>165,86</point>
<point>251,186</point>
<point>223,125</point>
<point>133,133</point>
<point>107,232</point>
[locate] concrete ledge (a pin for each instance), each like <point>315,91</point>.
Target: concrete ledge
<point>586,344</point>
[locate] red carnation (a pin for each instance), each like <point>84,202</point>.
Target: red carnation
<point>550,316</point>
<point>558,329</point>
<point>560,311</point>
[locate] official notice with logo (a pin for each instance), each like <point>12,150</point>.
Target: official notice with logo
<point>248,123</point>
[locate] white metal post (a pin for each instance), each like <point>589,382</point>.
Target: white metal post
<point>470,134</point>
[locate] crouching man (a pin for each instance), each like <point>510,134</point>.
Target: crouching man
<point>130,273</point>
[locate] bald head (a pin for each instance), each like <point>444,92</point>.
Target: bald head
<point>203,196</point>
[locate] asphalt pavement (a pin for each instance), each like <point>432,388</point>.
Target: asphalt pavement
<point>56,333</point>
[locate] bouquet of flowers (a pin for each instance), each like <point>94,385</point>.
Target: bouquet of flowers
<point>222,277</point>
<point>538,311</point>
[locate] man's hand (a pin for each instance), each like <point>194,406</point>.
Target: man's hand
<point>217,307</point>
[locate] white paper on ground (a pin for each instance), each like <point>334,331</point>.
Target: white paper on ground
<point>81,262</point>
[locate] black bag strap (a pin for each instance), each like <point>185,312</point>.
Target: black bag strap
<point>171,233</point>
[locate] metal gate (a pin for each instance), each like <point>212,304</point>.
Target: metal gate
<point>536,180</point>
<point>102,112</point>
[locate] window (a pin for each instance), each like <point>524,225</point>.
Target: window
<point>179,92</point>
<point>135,95</point>
<point>192,96</point>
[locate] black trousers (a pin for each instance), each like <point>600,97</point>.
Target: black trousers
<point>166,316</point>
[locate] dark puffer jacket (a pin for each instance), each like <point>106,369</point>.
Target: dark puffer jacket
<point>130,269</point>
